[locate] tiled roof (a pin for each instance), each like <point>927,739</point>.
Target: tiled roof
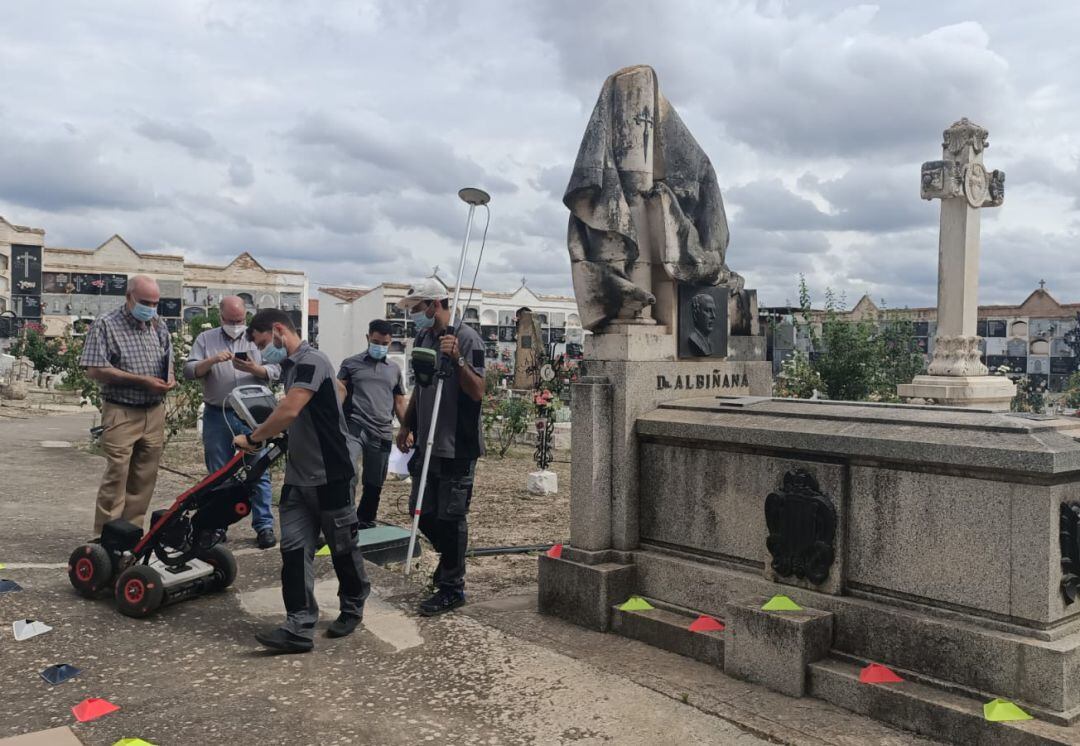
<point>346,294</point>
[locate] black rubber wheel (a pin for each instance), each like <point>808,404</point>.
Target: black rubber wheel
<point>90,570</point>
<point>224,564</point>
<point>139,591</point>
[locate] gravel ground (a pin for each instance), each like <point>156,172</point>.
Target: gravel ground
<point>503,513</point>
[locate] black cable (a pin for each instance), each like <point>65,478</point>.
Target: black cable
<point>493,551</point>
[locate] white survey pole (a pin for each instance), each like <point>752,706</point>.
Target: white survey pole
<point>473,197</point>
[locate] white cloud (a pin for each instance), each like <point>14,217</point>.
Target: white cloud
<point>333,136</point>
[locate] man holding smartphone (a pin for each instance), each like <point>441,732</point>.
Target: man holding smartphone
<point>223,358</point>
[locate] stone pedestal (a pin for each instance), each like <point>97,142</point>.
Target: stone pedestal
<point>774,648</point>
<point>627,372</point>
<point>976,392</point>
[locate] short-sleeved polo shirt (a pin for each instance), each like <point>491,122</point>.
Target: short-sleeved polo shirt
<point>318,437</point>
<point>371,386</point>
<point>459,431</point>
<point>119,340</point>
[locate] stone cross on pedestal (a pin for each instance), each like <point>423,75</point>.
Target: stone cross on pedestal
<point>956,375</point>
<point>962,184</point>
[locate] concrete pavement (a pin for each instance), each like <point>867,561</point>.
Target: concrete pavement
<point>497,673</point>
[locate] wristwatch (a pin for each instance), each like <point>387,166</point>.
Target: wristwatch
<point>460,362</point>
<point>252,443</point>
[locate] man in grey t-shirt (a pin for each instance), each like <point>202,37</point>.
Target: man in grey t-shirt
<point>318,493</point>
<point>458,440</point>
<point>373,393</point>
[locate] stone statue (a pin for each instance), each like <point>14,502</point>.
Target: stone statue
<point>645,206</point>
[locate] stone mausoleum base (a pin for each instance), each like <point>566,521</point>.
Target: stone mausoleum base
<point>945,556</point>
<point>979,392</point>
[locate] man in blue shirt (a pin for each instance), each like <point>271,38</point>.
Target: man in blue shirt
<point>223,358</point>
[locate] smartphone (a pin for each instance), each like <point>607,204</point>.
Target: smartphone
<point>240,355</point>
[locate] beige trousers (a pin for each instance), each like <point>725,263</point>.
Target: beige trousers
<point>133,440</point>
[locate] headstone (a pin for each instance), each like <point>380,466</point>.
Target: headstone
<point>647,234</point>
<point>956,375</point>
<point>530,350</point>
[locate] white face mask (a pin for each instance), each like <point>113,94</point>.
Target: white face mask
<point>234,330</point>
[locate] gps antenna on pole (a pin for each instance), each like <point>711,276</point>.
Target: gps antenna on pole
<point>473,198</point>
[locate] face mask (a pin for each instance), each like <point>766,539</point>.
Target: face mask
<point>422,320</point>
<point>234,330</point>
<point>378,352</point>
<point>273,354</point>
<point>143,313</point>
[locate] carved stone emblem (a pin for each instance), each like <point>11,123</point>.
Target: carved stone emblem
<point>956,356</point>
<point>939,180</point>
<point>1070,551</point>
<point>802,526</point>
<point>965,134</point>
<point>976,184</point>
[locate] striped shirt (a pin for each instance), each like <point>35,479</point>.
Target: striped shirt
<point>119,340</point>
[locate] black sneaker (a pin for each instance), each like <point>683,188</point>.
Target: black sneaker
<point>343,626</point>
<point>284,641</point>
<point>266,539</point>
<point>443,601</point>
<point>365,524</point>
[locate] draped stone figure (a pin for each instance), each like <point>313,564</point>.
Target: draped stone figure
<point>645,206</point>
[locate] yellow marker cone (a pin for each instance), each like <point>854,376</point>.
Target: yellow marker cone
<point>781,603</point>
<point>1003,711</point>
<point>132,742</point>
<point>324,552</point>
<point>635,603</point>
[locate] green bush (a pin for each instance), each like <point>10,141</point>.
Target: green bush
<point>505,418</point>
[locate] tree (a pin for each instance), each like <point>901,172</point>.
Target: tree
<point>42,352</point>
<point>851,360</point>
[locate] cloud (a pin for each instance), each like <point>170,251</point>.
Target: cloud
<point>195,140</point>
<point>68,173</point>
<point>365,158</point>
<point>241,172</point>
<point>335,138</point>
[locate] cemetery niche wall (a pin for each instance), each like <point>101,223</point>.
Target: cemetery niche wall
<point>928,539</point>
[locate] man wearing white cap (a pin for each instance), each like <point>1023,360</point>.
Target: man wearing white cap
<point>458,438</point>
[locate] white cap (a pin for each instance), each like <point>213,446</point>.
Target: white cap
<point>427,289</point>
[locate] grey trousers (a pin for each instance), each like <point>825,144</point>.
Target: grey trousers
<point>304,511</point>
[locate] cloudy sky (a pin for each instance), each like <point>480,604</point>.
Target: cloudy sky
<point>332,136</point>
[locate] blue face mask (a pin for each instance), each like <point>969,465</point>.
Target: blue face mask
<point>143,313</point>
<point>377,352</point>
<point>272,354</point>
<point>422,320</point>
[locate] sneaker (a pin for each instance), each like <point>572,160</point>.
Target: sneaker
<point>266,539</point>
<point>343,626</point>
<point>365,524</point>
<point>443,601</point>
<point>284,641</point>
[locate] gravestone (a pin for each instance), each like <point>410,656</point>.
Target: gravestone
<point>530,353</point>
<point>956,376</point>
<point>941,541</point>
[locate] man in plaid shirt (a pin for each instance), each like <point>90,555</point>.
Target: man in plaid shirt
<point>129,353</point>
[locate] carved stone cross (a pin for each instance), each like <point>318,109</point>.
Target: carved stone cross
<point>25,257</point>
<point>644,119</point>
<point>963,185</point>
